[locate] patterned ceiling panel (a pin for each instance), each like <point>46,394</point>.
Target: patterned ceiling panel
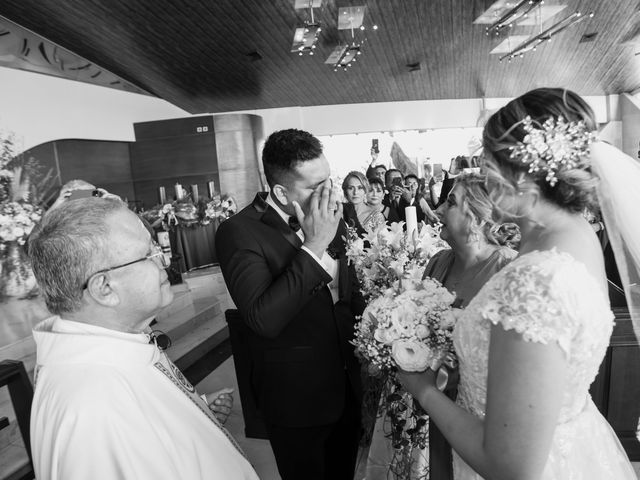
<point>224,55</point>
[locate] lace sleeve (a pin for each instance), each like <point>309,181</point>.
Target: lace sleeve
<point>536,300</point>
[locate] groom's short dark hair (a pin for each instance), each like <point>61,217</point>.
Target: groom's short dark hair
<point>283,150</point>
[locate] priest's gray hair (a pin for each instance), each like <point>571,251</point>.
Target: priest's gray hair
<point>67,246</point>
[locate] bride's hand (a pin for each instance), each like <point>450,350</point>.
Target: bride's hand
<point>417,383</point>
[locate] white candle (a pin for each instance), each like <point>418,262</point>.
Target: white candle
<point>412,220</point>
<point>211,187</point>
<point>165,245</point>
<point>163,196</point>
<point>194,192</point>
<point>179,191</point>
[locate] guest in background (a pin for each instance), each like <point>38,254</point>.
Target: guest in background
<point>435,185</point>
<point>283,260</point>
<point>358,213</point>
<point>376,196</point>
<point>394,185</point>
<point>108,403</point>
<point>375,170</point>
<point>411,198</point>
<point>458,165</point>
<point>426,175</point>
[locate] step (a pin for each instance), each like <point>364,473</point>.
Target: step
<point>189,348</point>
<point>189,318</point>
<point>13,459</point>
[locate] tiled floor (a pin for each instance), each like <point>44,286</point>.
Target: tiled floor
<point>258,451</point>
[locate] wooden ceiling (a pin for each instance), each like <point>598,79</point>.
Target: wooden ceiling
<point>198,54</point>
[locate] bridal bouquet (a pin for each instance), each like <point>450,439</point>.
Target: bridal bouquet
<point>385,256</point>
<point>408,327</point>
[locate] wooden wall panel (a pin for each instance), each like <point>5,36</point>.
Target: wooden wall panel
<point>238,138</point>
<point>173,156</point>
<point>617,387</point>
<point>226,153</point>
<point>105,164</point>
<point>102,163</point>
<point>45,155</point>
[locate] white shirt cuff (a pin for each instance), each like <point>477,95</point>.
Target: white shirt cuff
<point>315,257</point>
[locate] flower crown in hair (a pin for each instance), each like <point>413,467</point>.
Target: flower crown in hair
<point>557,146</point>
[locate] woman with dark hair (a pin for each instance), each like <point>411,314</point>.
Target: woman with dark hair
<point>375,198</point>
<point>531,341</point>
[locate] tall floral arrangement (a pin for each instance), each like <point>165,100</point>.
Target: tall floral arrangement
<point>407,324</point>
<point>22,190</point>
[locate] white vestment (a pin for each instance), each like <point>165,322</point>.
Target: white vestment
<point>110,405</point>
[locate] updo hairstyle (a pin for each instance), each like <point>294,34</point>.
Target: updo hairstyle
<point>575,188</point>
<point>478,208</point>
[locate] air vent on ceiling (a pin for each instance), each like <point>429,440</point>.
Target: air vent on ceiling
<point>588,37</point>
<point>254,56</point>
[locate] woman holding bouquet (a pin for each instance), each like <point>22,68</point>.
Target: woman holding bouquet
<point>478,251</point>
<point>476,254</point>
<point>531,341</point>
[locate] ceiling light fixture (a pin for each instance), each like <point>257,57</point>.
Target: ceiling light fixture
<point>343,56</point>
<point>306,37</point>
<point>545,36</point>
<point>511,16</point>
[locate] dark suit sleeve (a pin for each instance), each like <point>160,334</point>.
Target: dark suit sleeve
<point>358,303</point>
<point>266,302</point>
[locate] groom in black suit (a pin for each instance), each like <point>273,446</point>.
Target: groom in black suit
<point>298,296</point>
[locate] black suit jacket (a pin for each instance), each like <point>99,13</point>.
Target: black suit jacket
<point>299,339</point>
<point>394,214</point>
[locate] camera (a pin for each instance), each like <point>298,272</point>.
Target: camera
<point>374,145</point>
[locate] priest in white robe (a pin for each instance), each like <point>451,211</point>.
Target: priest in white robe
<point>108,403</point>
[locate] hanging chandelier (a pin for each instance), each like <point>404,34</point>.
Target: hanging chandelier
<point>306,37</point>
<point>503,16</point>
<point>343,56</point>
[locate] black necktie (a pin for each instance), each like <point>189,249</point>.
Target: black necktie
<point>294,224</point>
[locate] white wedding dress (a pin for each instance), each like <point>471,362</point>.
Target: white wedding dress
<point>547,297</point>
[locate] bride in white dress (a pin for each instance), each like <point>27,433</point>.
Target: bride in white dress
<point>530,343</point>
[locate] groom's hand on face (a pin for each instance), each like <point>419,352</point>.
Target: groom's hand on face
<point>320,224</point>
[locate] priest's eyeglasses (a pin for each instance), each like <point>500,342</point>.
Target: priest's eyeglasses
<point>156,256</point>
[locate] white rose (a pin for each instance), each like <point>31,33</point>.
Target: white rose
<point>411,356</point>
<point>7,235</point>
<point>422,331</point>
<point>449,319</point>
<point>18,232</point>
<point>387,335</point>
